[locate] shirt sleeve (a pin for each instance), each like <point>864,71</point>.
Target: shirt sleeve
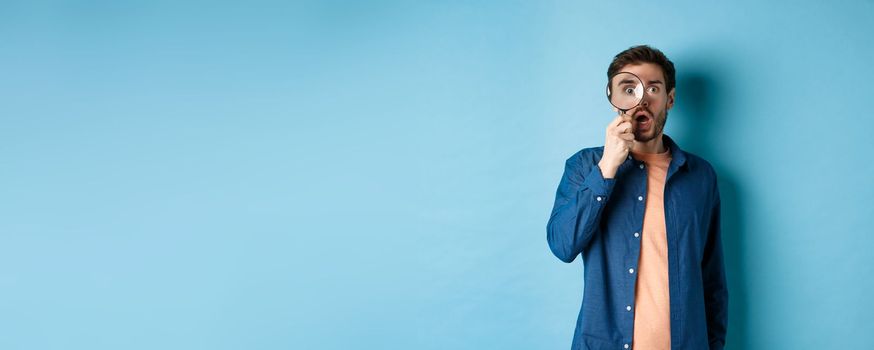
<point>579,201</point>
<point>715,286</point>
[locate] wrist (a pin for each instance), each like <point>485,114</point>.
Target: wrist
<point>608,171</point>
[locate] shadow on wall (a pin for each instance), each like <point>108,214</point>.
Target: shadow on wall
<point>701,96</point>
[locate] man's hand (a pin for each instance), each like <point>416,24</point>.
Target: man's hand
<point>619,141</point>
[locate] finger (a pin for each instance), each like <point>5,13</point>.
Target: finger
<point>627,136</point>
<point>626,117</point>
<point>623,127</point>
<point>615,122</point>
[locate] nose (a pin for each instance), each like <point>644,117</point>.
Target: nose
<point>645,101</point>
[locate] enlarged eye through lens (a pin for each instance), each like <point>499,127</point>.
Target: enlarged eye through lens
<point>628,88</point>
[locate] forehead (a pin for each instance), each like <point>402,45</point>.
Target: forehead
<point>646,71</point>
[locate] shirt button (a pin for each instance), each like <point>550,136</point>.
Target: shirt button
<point>626,346</point>
<point>637,234</point>
<point>640,198</point>
<point>628,308</point>
<point>630,270</point>
<point>599,198</point>
<point>641,166</point>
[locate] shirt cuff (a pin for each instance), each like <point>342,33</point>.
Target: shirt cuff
<point>596,182</point>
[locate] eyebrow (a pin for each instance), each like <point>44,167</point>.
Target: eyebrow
<point>655,82</point>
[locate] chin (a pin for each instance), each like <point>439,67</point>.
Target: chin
<point>646,137</point>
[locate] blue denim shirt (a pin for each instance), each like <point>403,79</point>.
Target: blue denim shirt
<point>599,217</point>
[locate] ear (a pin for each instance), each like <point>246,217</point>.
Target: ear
<point>671,98</point>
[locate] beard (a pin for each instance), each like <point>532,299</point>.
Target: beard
<point>657,128</point>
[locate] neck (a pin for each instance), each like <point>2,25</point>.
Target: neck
<point>652,146</point>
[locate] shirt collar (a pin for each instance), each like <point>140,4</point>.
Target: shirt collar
<point>679,157</point>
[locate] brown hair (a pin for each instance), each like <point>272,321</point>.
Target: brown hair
<point>644,54</point>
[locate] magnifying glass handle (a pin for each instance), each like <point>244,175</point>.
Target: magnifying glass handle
<point>622,112</point>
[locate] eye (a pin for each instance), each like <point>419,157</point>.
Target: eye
<point>653,89</point>
<point>629,90</point>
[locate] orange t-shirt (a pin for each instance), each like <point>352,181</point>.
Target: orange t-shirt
<point>652,316</point>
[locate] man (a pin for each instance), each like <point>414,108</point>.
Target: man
<point>646,217</point>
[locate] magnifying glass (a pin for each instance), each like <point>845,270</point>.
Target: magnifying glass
<point>624,91</point>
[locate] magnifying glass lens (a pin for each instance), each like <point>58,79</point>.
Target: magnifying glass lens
<point>625,91</point>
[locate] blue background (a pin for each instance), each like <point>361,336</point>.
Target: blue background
<point>378,175</point>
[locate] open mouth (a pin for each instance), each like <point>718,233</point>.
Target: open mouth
<point>643,121</point>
